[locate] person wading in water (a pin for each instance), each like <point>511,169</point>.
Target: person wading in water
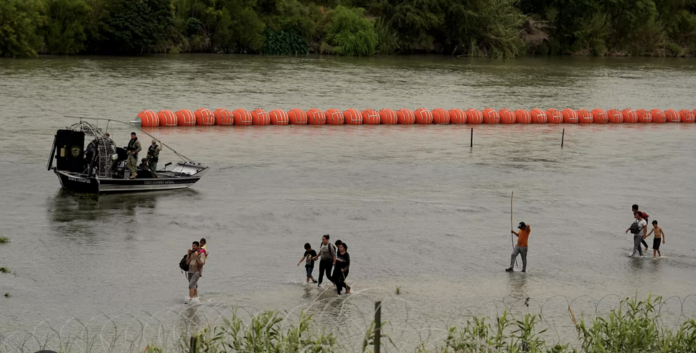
<point>521,247</point>
<point>341,270</point>
<point>327,253</point>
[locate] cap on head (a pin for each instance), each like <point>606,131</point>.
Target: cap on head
<point>154,142</point>
<point>522,226</point>
<point>132,133</point>
<point>144,160</point>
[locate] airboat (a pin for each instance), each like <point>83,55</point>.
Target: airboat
<point>100,167</point>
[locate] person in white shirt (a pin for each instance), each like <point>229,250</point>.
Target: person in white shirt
<point>637,229</point>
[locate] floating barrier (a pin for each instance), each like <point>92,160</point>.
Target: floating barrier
<point>421,116</point>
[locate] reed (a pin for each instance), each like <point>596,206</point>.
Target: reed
<point>4,240</point>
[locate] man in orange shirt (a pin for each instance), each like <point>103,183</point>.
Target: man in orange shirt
<point>521,247</point>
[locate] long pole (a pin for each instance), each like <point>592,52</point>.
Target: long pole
<point>512,240</point>
<point>378,326</point>
<point>562,138</point>
<point>471,144</point>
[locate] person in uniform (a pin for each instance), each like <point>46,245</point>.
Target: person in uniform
<point>153,156</point>
<point>133,149</point>
<point>143,164</point>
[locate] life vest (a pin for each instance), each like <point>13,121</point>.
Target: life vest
<point>153,153</point>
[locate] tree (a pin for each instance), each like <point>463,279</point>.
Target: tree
<point>20,21</point>
<point>66,24</point>
<point>134,26</point>
<point>350,33</point>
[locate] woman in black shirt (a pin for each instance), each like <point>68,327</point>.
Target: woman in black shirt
<point>342,268</point>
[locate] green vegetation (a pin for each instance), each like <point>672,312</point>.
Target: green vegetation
<point>489,28</point>
<point>4,270</point>
<point>4,240</point>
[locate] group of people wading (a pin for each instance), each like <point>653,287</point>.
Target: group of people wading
<point>330,256</point>
<point>148,164</point>
<point>639,229</point>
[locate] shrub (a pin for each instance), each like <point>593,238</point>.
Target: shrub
<point>350,33</point>
<point>284,43</point>
<point>65,30</point>
<point>20,21</point>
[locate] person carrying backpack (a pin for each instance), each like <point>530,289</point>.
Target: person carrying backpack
<point>637,228</point>
<point>645,217</point>
<point>327,253</point>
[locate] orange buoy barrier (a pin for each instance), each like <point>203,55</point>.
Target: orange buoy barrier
<point>185,117</point>
<point>672,116</point>
<point>279,117</point>
<point>223,117</point>
<point>423,116</point>
<point>440,116</point>
<point>388,117</point>
<point>599,116</point>
<point>687,116</point>
<point>316,117</point>
<point>457,116</point>
<point>553,116</point>
<point>473,116</point>
<point>352,117</point>
<point>490,116</point>
<point>334,117</point>
<point>658,116</point>
<point>522,117</point>
<point>538,116</point>
<point>570,116</point>
<point>614,116</point>
<point>204,117</point>
<point>643,116</point>
<point>297,117</point>
<point>629,116</point>
<point>167,118</point>
<point>371,117</point>
<point>148,118</point>
<point>260,117</point>
<point>584,117</point>
<point>507,116</point>
<point>405,116</point>
<point>242,117</point>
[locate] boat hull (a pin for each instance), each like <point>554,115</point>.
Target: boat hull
<point>83,184</point>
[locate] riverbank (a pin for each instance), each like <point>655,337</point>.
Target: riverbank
<point>496,29</point>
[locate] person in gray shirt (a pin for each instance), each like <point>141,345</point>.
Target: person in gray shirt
<point>327,253</point>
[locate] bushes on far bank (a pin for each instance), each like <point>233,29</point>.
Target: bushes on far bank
<point>490,28</point>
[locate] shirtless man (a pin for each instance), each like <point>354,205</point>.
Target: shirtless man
<point>659,234</point>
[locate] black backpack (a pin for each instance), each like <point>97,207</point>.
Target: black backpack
<point>183,265</point>
<point>635,228</point>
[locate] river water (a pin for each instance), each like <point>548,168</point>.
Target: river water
<point>419,208</point>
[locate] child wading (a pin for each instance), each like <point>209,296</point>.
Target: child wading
<point>308,258</point>
<point>342,268</point>
<point>521,247</point>
<point>659,235</point>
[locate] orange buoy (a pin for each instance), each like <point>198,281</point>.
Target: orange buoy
<point>629,116</point>
<point>423,116</point>
<point>334,117</point>
<point>554,116</point>
<point>490,116</point>
<point>297,117</point>
<point>440,116</point>
<point>167,118</point>
<point>279,117</point>
<point>388,117</point>
<point>316,117</point>
<point>473,116</point>
<point>687,116</point>
<point>457,116</point>
<point>507,116</point>
<point>614,116</point>
<point>242,117</point>
<point>570,116</point>
<point>644,116</point>
<point>405,116</point>
<point>522,117</point>
<point>148,118</point>
<point>260,117</point>
<point>538,116</point>
<point>658,116</point>
<point>599,116</point>
<point>352,117</point>
<point>185,117</point>
<point>204,117</point>
<point>671,116</point>
<point>223,117</point>
<point>584,117</point>
<point>371,117</point>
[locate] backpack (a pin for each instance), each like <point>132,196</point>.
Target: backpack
<point>183,265</point>
<point>635,228</point>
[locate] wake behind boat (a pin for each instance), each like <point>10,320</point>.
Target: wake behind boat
<point>101,166</point>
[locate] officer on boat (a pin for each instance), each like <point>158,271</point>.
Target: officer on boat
<point>153,156</point>
<point>133,149</point>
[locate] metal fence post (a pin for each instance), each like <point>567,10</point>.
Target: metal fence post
<point>378,325</point>
<point>194,344</point>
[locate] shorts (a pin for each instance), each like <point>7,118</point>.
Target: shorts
<point>309,270</point>
<point>656,243</point>
<point>193,280</point>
